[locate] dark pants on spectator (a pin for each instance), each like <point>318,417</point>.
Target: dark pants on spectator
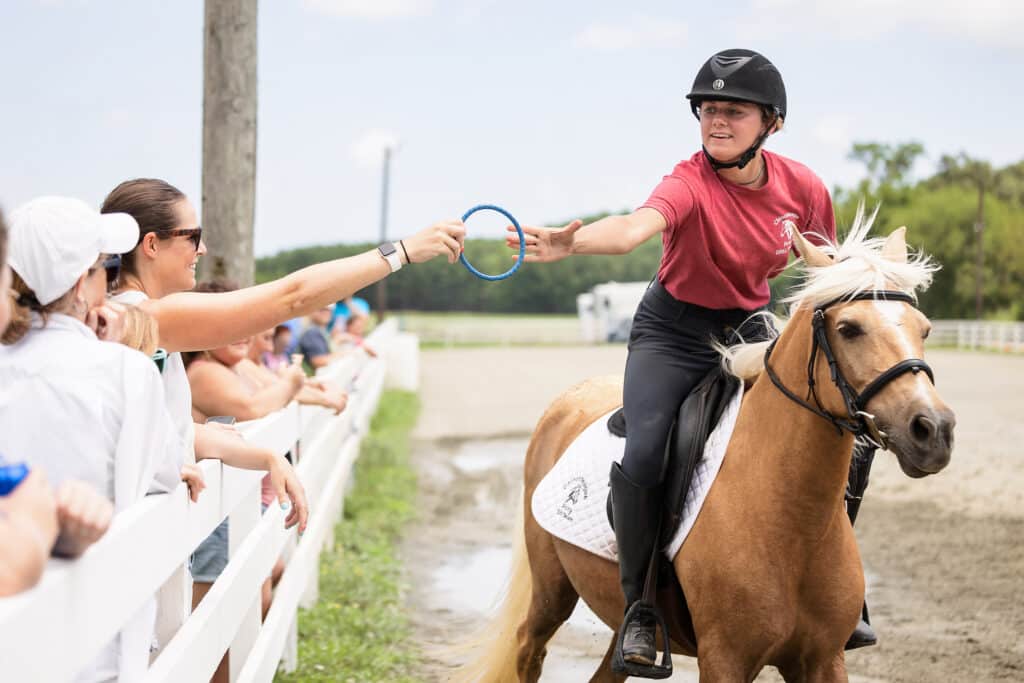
<point>669,353</point>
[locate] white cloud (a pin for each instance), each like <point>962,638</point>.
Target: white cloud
<point>371,9</point>
<point>368,150</point>
<point>996,23</point>
<point>637,32</point>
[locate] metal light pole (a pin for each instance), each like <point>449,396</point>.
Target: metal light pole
<point>382,286</point>
<point>979,266</point>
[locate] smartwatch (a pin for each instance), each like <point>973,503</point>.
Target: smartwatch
<point>390,254</point>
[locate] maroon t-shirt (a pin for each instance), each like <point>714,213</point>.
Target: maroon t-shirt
<point>724,241</point>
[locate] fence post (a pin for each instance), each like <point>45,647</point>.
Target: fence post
<point>241,522</point>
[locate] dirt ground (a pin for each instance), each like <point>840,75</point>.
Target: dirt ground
<point>944,556</point>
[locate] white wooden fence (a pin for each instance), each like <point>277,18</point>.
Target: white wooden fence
<point>53,631</point>
<point>974,334</point>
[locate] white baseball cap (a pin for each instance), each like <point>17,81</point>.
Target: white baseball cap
<point>55,240</point>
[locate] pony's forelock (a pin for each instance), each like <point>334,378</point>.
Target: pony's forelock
<point>859,265</point>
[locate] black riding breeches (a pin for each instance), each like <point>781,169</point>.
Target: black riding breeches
<point>669,353</point>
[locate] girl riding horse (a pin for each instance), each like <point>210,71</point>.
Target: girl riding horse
<point>770,567</point>
<point>727,216</point>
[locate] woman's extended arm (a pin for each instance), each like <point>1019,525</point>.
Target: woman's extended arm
<point>610,235</point>
<point>194,322</point>
<point>216,390</point>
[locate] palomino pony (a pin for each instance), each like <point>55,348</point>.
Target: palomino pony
<point>771,569</point>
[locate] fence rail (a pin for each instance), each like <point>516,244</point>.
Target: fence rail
<point>80,605</point>
<point>973,334</point>
<point>561,330</point>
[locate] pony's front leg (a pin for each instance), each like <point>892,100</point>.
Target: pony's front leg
<point>823,670</point>
<point>722,660</point>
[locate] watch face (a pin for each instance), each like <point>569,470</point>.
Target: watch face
<point>387,249</point>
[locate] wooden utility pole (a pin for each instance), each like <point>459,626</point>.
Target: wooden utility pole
<point>229,139</point>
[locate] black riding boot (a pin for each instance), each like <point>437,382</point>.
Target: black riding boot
<point>636,513</point>
<point>860,467</point>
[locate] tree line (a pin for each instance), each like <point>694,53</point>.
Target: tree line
<point>969,216</point>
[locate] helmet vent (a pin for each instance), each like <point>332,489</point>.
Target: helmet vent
<point>724,66</point>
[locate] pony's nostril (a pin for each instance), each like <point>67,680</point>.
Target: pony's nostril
<point>946,434</point>
<point>922,428</point>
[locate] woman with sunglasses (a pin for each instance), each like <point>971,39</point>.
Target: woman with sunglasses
<point>162,268</point>
<point>79,406</point>
<point>158,272</point>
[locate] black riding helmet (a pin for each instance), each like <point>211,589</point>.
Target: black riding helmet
<point>740,76</point>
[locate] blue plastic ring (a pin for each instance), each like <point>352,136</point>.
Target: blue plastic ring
<point>522,244</point>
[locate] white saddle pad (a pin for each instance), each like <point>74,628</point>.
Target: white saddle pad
<point>570,501</point>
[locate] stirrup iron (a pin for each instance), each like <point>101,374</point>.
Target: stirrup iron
<point>642,610</point>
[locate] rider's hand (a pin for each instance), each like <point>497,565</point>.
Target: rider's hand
<point>544,245</point>
<point>444,238</point>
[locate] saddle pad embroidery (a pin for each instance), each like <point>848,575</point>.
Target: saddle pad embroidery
<point>570,501</point>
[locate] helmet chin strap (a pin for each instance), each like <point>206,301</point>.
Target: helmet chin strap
<point>744,159</point>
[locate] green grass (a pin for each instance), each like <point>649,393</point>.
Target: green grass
<point>358,630</point>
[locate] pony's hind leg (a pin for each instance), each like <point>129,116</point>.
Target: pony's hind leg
<point>551,602</point>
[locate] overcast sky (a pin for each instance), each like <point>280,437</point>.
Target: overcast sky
<point>550,109</point>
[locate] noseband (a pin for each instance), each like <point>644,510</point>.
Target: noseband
<point>857,421</point>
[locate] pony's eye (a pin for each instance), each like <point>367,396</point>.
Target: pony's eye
<point>849,330</point>
<point>927,331</point>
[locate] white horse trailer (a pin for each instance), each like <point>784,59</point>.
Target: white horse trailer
<point>606,312</point>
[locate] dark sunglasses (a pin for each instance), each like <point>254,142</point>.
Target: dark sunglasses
<point>195,235</point>
<point>112,265</point>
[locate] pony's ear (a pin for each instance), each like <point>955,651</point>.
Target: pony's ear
<point>895,247</point>
<point>813,256</point>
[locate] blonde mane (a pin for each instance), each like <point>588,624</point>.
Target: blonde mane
<point>857,266</point>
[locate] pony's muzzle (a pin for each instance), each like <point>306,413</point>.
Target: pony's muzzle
<point>930,437</point>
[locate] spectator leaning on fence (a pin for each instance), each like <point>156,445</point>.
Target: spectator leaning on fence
<point>353,336</point>
<point>28,514</point>
<point>80,406</point>
<point>315,341</point>
<point>314,392</point>
<point>277,358</point>
<point>218,389</point>
<point>161,268</point>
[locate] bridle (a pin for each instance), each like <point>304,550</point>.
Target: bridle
<point>857,421</point>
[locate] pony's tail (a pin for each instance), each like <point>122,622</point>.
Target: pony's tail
<point>495,646</point>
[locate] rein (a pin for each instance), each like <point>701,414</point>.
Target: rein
<point>857,421</point>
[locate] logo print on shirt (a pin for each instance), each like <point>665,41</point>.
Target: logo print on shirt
<point>788,227</point>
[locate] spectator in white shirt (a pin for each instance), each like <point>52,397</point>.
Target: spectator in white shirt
<point>28,515</point>
<point>79,406</point>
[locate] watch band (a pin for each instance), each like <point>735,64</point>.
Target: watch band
<point>390,254</point>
